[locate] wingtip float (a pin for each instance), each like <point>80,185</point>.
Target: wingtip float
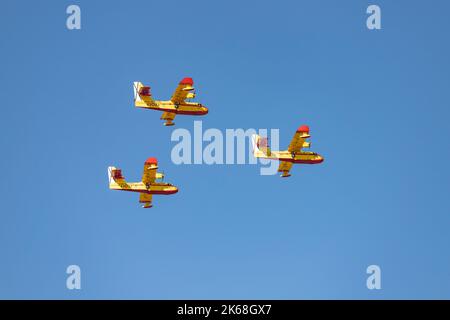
<point>178,104</point>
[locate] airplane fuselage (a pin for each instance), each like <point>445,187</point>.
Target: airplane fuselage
<point>305,157</point>
<point>154,188</point>
<point>188,108</point>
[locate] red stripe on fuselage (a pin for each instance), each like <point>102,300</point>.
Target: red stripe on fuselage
<point>149,192</point>
<point>313,161</point>
<point>192,113</point>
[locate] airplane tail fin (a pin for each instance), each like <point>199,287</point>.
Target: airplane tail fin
<point>142,95</point>
<point>255,140</point>
<point>115,176</point>
<point>260,146</point>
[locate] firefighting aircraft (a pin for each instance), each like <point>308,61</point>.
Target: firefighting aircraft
<point>147,187</point>
<point>294,153</point>
<point>176,105</point>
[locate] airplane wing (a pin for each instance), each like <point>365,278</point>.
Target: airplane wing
<point>146,199</point>
<point>285,167</point>
<point>149,174</point>
<point>183,91</point>
<point>298,141</point>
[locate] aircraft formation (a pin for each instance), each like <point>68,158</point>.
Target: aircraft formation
<point>180,103</point>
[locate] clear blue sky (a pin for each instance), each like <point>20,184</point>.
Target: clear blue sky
<point>377,103</point>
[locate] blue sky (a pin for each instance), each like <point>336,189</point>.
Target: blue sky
<point>376,101</point>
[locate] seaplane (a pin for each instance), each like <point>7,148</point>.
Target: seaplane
<point>294,153</point>
<point>150,184</point>
<point>179,103</point>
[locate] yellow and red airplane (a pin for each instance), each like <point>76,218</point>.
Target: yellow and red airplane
<point>147,187</point>
<point>176,105</point>
<point>294,153</point>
